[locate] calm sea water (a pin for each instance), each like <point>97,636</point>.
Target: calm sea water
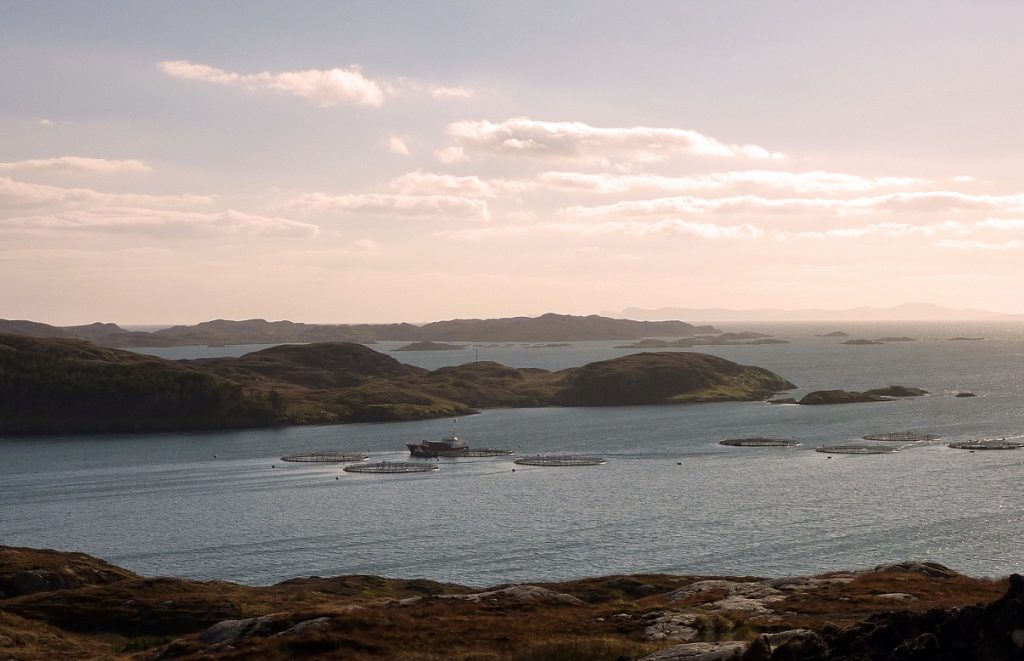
<point>670,499</point>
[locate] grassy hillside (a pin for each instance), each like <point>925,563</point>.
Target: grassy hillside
<point>69,385</point>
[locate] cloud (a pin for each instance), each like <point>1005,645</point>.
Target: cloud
<point>1015,244</point>
<point>396,145</point>
<point>891,230</point>
<point>409,206</point>
<point>744,231</point>
<point>1001,224</point>
<point>576,141</point>
<point>709,231</point>
<point>162,222</point>
<point>922,202</point>
<point>441,92</point>
<point>799,182</point>
<point>321,87</point>
<point>21,195</point>
<point>451,155</point>
<point>75,165</point>
<point>429,183</point>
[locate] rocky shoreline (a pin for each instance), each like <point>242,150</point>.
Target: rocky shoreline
<point>71,605</point>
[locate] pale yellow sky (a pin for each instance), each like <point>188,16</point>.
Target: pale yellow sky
<point>427,161</point>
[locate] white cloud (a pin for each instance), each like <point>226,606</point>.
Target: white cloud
<point>1015,244</point>
<point>800,182</point>
<point>321,87</point>
<point>397,145</point>
<point>1001,224</point>
<point>451,155</point>
<point>411,206</point>
<point>75,165</point>
<point>163,222</point>
<point>890,230</point>
<point>21,195</point>
<point>442,92</point>
<point>709,231</point>
<point>429,183</point>
<point>576,141</point>
<point>922,202</point>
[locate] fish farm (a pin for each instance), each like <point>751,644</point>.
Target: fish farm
<point>325,457</point>
<point>391,467</point>
<point>989,444</point>
<point>560,460</point>
<point>760,442</point>
<point>471,452</point>
<point>853,449</point>
<point>901,437</point>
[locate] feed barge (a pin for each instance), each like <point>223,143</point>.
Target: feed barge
<point>452,446</point>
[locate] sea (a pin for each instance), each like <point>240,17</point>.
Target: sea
<point>222,505</point>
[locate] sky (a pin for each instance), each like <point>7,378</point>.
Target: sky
<point>415,161</point>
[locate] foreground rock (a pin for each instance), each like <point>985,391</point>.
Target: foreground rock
<point>866,614</point>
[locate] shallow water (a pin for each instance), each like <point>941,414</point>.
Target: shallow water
<point>222,505</point>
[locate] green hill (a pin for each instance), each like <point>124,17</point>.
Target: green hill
<point>54,385</point>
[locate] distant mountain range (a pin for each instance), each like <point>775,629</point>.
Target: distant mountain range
<point>905,312</point>
<point>545,328</point>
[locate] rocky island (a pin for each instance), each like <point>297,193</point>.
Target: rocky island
<point>58,385</point>
<point>71,605</point>
<point>886,394</point>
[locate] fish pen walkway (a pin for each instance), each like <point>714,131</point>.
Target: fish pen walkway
<point>325,457</point>
<point>560,460</point>
<point>853,449</point>
<point>987,444</point>
<point>391,467</point>
<point>472,452</point>
<point>901,437</point>
<point>760,442</point>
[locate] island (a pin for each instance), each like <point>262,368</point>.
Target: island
<point>862,342</point>
<point>60,385</point>
<point>549,327</point>
<point>834,334</point>
<point>896,338</point>
<point>964,339</point>
<point>886,394</point>
<point>427,345</point>
<point>744,338</point>
<point>964,393</point>
<point>71,605</point>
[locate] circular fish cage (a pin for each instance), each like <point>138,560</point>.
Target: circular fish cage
<point>901,437</point>
<point>560,460</point>
<point>987,444</point>
<point>760,442</point>
<point>855,449</point>
<point>391,467</point>
<point>325,457</point>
